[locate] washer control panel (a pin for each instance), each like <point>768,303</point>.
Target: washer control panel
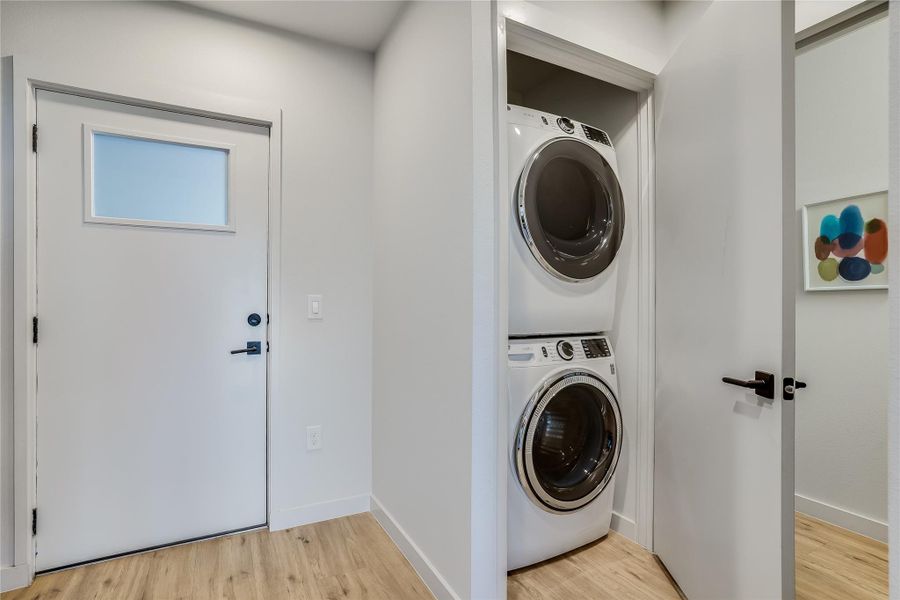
<point>596,348</point>
<point>538,351</point>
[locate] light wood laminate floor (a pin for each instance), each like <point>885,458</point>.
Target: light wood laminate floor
<point>614,568</point>
<point>348,558</point>
<point>352,558</point>
<point>832,564</point>
<point>836,564</point>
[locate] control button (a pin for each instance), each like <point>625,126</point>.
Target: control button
<point>566,125</point>
<point>565,349</point>
<point>544,351</point>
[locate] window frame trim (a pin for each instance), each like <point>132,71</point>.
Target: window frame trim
<point>88,131</point>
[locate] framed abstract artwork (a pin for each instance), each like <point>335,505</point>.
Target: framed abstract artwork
<point>845,244</point>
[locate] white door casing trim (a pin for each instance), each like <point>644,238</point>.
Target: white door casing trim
<point>545,46</point>
<point>29,76</point>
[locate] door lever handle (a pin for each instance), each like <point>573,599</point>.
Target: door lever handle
<point>252,348</point>
<point>764,384</point>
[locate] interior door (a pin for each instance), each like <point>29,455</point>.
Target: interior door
<point>151,264</point>
<point>723,507</point>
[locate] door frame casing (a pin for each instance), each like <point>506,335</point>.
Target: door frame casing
<point>28,76</point>
<point>544,45</point>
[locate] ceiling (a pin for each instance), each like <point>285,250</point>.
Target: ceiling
<point>359,24</point>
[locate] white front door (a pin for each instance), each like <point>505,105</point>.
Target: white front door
<point>151,256</point>
<point>723,478</point>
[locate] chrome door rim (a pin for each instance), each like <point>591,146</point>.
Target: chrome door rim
<point>525,436</point>
<point>523,221</point>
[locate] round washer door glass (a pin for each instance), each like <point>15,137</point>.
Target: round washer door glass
<point>571,210</point>
<point>569,443</point>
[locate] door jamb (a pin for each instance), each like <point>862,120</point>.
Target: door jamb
<point>29,76</point>
<point>537,43</point>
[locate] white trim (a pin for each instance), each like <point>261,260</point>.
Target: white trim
<point>321,511</point>
<point>541,45</point>
<point>502,248</point>
<point>893,408</point>
<point>90,216</point>
<point>488,502</point>
<point>646,369</point>
<point>624,526</point>
<point>28,76</point>
<point>13,578</point>
<point>423,566</point>
<point>842,517</point>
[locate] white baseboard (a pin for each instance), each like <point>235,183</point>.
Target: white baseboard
<point>426,570</point>
<point>322,511</point>
<point>624,525</point>
<point>13,578</point>
<point>842,518</point>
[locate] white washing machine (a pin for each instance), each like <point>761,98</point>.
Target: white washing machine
<point>566,436</point>
<point>568,225</point>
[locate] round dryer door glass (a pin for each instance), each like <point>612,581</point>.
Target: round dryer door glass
<point>570,209</point>
<point>569,443</point>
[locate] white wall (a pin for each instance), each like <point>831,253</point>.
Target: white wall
<point>434,326</point>
<point>7,523</point>
<point>614,110</point>
<point>326,93</point>
<point>842,337</point>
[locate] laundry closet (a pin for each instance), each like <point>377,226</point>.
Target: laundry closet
<point>609,291</point>
<point>699,136</point>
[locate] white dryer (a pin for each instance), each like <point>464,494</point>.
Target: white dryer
<point>565,436</point>
<point>568,225</point>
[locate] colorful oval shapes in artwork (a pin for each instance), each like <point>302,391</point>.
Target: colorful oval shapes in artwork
<point>876,241</point>
<point>822,247</point>
<point>854,268</point>
<point>851,221</point>
<point>847,244</point>
<point>830,227</point>
<point>849,247</point>
<point>828,269</point>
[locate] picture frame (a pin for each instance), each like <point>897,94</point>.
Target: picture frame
<point>845,243</point>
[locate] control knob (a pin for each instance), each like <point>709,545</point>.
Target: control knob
<point>566,124</point>
<point>565,350</point>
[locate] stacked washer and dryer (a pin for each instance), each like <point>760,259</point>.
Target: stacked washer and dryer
<point>565,423</point>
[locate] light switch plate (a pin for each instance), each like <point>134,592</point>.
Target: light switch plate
<point>314,307</point>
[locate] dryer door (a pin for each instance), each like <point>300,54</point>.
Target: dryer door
<point>570,209</point>
<point>568,442</point>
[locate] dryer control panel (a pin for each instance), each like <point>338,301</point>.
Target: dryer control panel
<point>526,352</point>
<point>520,115</point>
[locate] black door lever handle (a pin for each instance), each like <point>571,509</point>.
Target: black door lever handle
<point>750,383</point>
<point>764,384</point>
<point>252,348</point>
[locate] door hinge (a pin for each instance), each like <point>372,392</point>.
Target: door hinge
<point>34,330</point>
<point>33,521</point>
<point>34,138</point>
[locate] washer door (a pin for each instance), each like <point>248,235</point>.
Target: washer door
<point>568,442</point>
<point>571,211</point>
